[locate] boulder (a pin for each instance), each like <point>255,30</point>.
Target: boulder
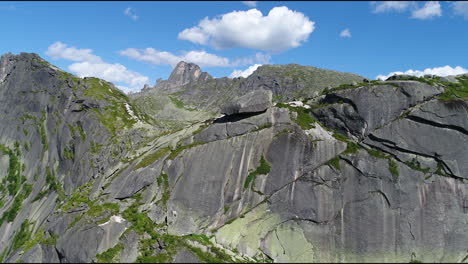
<point>252,102</point>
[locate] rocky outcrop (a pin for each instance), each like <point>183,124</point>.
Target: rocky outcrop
<point>353,110</point>
<point>374,172</point>
<point>253,102</point>
<point>184,73</point>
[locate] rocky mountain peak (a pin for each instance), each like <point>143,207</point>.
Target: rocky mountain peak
<point>184,73</point>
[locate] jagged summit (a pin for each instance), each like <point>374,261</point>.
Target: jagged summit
<point>184,73</point>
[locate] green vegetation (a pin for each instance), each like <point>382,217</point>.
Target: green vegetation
<point>283,132</point>
<point>51,240</point>
<point>26,146</point>
<point>178,103</point>
<point>304,119</point>
<point>377,154</point>
<point>340,137</point>
<point>351,148</point>
<point>113,116</point>
<point>95,147</point>
<point>81,131</point>
<point>263,168</point>
<point>53,184</point>
<point>151,158</point>
<point>415,165</point>
<point>10,214</point>
<point>14,170</point>
<point>179,149</point>
<point>393,167</point>
<point>163,180</point>
<point>35,240</point>
<point>335,163</point>
<point>43,131</point>
<point>22,236</point>
<point>357,85</point>
<point>111,255</point>
<point>266,125</point>
<point>68,153</point>
<point>455,90</point>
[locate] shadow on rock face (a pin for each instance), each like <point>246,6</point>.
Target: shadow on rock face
<point>236,117</point>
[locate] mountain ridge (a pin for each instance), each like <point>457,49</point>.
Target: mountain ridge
<point>363,171</point>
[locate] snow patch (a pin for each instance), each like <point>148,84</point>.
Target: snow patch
<point>131,113</point>
<point>298,104</point>
<point>114,219</point>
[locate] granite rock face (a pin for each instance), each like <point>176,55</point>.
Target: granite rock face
<point>253,102</point>
<point>382,177</point>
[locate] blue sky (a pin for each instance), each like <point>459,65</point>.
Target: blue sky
<point>132,43</point>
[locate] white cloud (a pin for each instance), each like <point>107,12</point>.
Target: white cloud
<point>461,9</point>
<point>201,58</point>
<point>130,13</point>
<point>90,65</point>
<point>345,33</point>
<point>280,30</point>
<point>109,72</point>
<point>59,50</point>
<point>250,3</point>
<point>387,6</point>
<point>440,71</point>
<point>244,73</point>
<point>429,10</point>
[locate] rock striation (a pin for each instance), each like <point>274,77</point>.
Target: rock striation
<point>373,171</point>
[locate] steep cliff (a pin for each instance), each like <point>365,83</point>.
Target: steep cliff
<point>200,169</point>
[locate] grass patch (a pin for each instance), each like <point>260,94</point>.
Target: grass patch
<point>68,153</point>
<point>178,103</point>
<point>163,180</point>
<point>53,184</point>
<point>51,240</point>
<point>415,165</point>
<point>179,149</point>
<point>111,255</point>
<point>95,147</point>
<point>263,168</point>
<point>340,137</point>
<point>335,163</point>
<point>43,131</point>
<point>14,170</point>
<point>35,240</point>
<point>455,90</point>
<point>393,167</point>
<point>22,236</point>
<point>113,116</point>
<point>377,154</point>
<point>351,148</point>
<point>151,158</point>
<point>304,119</point>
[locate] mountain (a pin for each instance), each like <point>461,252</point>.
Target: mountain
<point>203,169</point>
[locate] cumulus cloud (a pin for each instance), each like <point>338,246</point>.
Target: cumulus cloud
<point>280,30</point>
<point>90,65</point>
<point>201,58</point>
<point>244,73</point>
<point>460,9</point>
<point>440,71</point>
<point>429,10</point>
<point>388,6</point>
<point>250,3</point>
<point>345,33</point>
<point>59,50</point>
<point>130,13</point>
